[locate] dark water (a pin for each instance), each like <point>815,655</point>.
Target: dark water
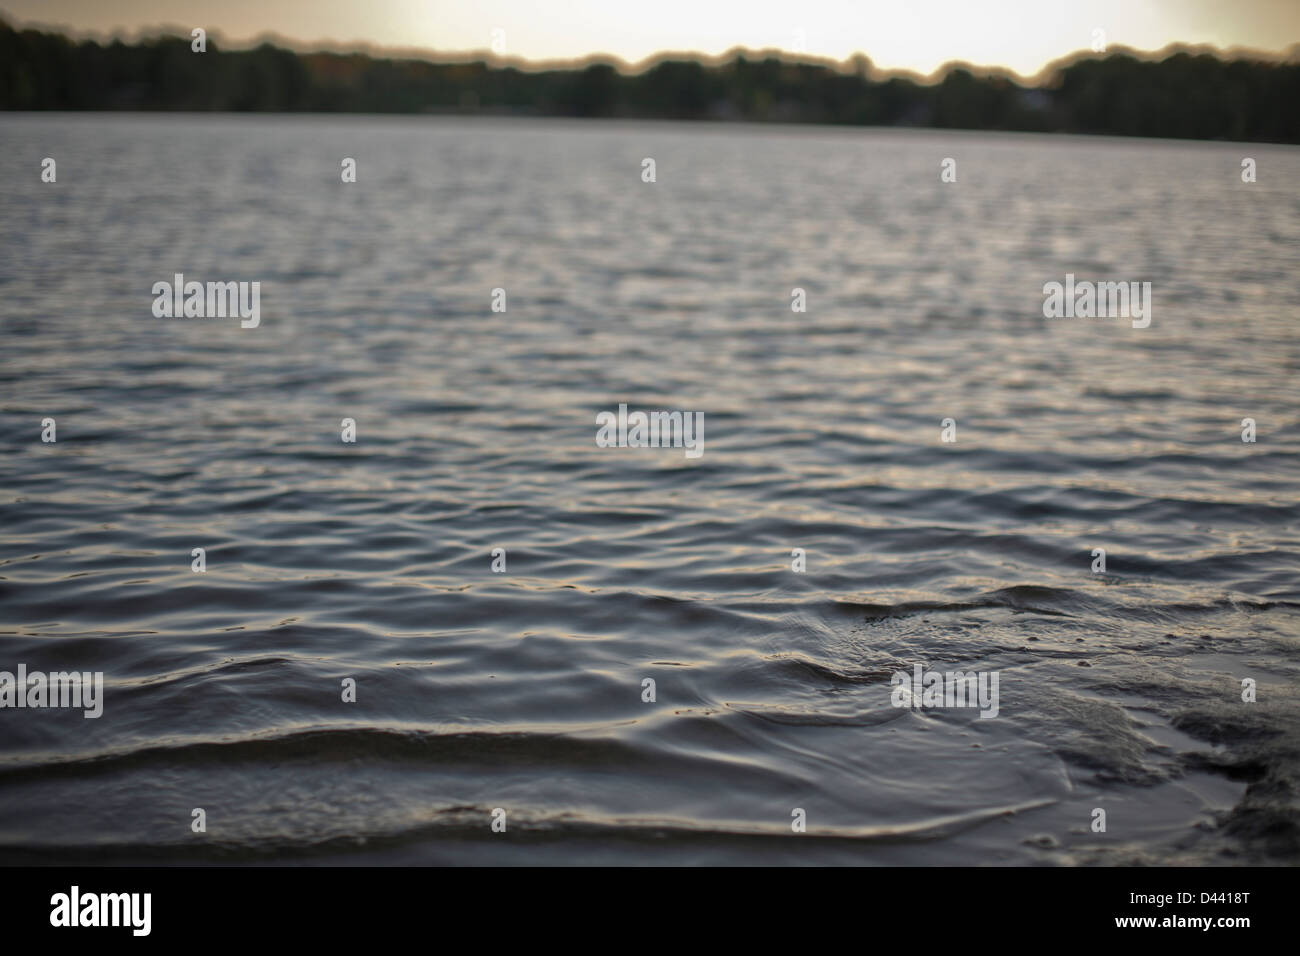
<point>1119,690</point>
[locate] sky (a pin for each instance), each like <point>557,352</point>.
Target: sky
<point>918,35</point>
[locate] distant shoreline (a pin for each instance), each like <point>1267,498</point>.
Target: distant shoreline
<point>1187,95</point>
<point>753,126</point>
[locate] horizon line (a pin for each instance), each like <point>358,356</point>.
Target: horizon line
<point>849,65</point>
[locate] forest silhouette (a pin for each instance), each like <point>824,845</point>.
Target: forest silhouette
<point>1186,94</point>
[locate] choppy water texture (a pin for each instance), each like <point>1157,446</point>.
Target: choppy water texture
<point>476,431</point>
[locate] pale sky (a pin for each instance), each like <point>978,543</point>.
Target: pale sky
<point>920,35</point>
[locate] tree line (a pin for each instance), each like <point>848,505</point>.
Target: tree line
<point>1184,95</point>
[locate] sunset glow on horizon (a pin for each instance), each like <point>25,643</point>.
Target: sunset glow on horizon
<point>1020,35</point>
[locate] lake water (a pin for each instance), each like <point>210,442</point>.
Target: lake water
<point>475,690</point>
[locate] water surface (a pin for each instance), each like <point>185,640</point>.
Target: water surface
<point>523,690</point>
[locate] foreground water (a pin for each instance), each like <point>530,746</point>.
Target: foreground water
<point>522,690</point>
